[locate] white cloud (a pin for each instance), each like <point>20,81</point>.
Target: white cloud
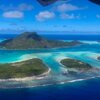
<point>69,16</point>
<point>20,7</point>
<point>67,7</point>
<point>12,11</point>
<point>44,15</point>
<point>13,14</point>
<point>98,16</point>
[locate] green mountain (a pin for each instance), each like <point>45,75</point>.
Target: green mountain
<point>29,40</point>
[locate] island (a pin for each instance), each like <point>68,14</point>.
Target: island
<point>75,65</point>
<point>31,40</point>
<point>29,68</point>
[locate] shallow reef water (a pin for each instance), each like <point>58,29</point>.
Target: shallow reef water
<point>87,52</point>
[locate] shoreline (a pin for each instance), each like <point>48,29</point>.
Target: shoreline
<point>40,48</point>
<point>45,74</point>
<point>41,76</point>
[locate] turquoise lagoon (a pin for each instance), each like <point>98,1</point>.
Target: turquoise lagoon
<point>87,52</point>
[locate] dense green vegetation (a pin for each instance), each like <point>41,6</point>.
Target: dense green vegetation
<point>22,69</point>
<point>76,64</point>
<point>30,40</point>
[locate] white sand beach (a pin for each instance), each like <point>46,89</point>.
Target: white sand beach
<point>28,78</point>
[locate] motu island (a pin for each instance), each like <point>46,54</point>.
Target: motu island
<point>72,64</point>
<point>29,68</point>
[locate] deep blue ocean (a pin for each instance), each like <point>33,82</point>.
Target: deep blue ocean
<point>83,90</point>
<point>61,36</point>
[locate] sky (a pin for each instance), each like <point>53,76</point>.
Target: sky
<point>66,15</point>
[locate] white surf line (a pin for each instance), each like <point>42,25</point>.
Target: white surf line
<point>90,42</point>
<point>27,78</point>
<point>78,80</point>
<point>51,84</point>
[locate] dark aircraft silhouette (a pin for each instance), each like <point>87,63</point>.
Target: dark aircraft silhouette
<point>95,1</point>
<point>48,2</point>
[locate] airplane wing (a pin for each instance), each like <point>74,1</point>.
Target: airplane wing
<point>95,1</point>
<point>46,2</point>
